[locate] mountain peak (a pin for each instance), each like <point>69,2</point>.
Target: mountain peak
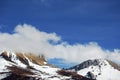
<point>23,58</point>
<point>25,66</point>
<point>21,66</point>
<point>85,64</point>
<point>98,69</point>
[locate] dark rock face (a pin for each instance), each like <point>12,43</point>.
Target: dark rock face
<point>18,77</point>
<point>74,75</point>
<point>5,56</point>
<point>91,75</point>
<point>85,64</point>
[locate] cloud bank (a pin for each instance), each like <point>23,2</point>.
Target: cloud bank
<point>26,38</point>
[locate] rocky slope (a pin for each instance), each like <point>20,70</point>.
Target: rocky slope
<point>99,69</point>
<point>19,66</point>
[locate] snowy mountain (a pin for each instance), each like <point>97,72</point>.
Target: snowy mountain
<point>20,66</point>
<point>99,69</point>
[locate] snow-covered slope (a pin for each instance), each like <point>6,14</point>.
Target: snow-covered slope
<point>100,69</point>
<point>11,62</point>
<point>19,66</point>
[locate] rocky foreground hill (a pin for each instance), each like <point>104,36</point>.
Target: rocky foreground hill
<point>21,66</point>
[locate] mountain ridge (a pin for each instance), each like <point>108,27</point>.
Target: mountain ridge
<point>21,66</point>
<point>99,69</point>
<point>94,62</point>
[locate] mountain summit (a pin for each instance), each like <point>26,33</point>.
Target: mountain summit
<point>21,66</point>
<point>99,69</point>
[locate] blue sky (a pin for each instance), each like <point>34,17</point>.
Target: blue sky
<point>76,21</point>
<point>61,63</point>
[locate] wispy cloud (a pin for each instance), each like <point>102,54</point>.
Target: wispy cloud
<point>27,38</point>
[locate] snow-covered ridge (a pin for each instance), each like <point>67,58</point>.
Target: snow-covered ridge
<point>99,69</point>
<point>23,58</point>
<point>19,66</point>
<point>25,65</point>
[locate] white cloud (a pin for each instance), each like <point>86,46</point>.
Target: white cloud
<point>27,38</point>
